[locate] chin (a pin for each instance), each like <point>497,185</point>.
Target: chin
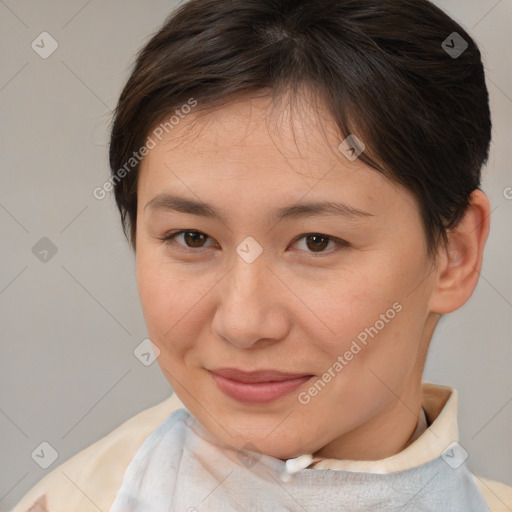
<point>273,446</point>
<point>285,452</point>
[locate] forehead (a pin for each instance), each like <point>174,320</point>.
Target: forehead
<point>252,149</point>
<point>251,132</point>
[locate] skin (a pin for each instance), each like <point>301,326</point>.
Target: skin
<point>298,306</point>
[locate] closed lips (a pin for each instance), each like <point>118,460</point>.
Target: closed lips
<point>257,376</point>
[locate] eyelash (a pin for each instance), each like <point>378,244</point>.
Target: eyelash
<point>169,240</point>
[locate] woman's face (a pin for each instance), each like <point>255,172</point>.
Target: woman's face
<point>259,280</point>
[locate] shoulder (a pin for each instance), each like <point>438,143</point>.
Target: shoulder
<point>89,480</point>
<point>497,495</point>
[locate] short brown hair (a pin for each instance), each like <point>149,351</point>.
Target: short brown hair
<point>379,67</point>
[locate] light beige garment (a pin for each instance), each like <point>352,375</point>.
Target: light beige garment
<point>88,481</point>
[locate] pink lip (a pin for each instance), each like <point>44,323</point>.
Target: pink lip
<point>256,387</point>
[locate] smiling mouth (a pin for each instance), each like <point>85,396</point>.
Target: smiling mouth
<point>258,387</point>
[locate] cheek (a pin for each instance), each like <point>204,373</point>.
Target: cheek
<point>161,294</point>
<point>154,290</point>
<point>371,311</point>
<point>172,305</point>
<point>349,302</point>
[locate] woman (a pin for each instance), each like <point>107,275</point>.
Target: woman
<point>300,184</point>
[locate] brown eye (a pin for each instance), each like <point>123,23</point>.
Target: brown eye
<point>317,243</point>
<point>192,239</point>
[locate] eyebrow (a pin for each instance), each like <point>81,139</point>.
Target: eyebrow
<point>168,202</point>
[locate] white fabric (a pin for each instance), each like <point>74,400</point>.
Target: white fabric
<point>89,480</point>
<point>181,467</point>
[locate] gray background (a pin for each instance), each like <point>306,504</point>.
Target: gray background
<point>69,325</point>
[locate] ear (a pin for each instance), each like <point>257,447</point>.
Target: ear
<point>460,261</point>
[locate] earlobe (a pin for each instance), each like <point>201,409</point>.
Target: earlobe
<point>460,260</point>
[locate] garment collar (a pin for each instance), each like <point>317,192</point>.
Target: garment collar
<point>440,406</point>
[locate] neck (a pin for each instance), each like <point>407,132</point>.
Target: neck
<point>384,435</point>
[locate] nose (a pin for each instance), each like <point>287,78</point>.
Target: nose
<point>251,309</point>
